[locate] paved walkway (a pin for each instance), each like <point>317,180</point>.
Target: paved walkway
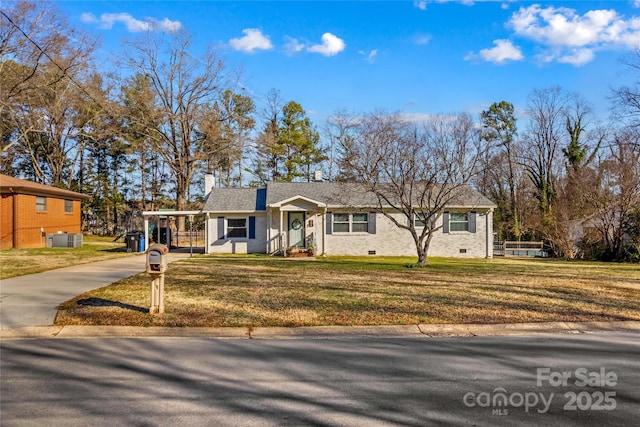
<point>32,300</point>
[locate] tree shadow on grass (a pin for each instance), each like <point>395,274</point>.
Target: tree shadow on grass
<point>118,249</point>
<point>101,302</point>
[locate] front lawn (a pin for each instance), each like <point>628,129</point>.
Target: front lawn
<point>265,291</point>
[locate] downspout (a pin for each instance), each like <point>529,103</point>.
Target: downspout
<point>207,218</point>
<point>487,233</point>
<point>14,223</point>
<point>324,232</point>
<point>268,244</point>
<point>282,243</point>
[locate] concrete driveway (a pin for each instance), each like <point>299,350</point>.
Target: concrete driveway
<point>32,300</point>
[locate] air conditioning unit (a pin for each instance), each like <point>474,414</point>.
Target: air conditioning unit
<point>75,240</point>
<point>64,240</point>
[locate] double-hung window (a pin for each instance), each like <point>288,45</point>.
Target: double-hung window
<point>341,222</point>
<point>459,221</point>
<point>236,228</point>
<point>420,220</point>
<point>68,206</point>
<point>351,222</point>
<point>360,222</point>
<point>41,204</point>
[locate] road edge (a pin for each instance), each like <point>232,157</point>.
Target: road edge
<point>319,332</point>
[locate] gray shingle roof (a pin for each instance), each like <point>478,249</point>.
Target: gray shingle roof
<point>332,194</point>
<point>329,193</point>
<point>235,199</point>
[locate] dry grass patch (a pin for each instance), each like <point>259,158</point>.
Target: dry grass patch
<point>207,291</point>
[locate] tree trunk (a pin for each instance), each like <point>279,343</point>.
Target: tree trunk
<point>423,261</point>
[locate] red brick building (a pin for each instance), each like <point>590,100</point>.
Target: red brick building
<point>29,211</point>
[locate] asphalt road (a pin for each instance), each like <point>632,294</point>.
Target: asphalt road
<point>354,381</point>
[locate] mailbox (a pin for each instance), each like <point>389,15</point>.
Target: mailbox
<point>157,259</point>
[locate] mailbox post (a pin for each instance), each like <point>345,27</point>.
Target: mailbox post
<point>156,266</point>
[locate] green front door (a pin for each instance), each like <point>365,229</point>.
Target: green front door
<point>296,229</point>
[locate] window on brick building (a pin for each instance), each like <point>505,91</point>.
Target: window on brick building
<point>41,204</point>
<point>68,206</point>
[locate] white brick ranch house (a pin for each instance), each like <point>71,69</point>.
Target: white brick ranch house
<point>337,219</point>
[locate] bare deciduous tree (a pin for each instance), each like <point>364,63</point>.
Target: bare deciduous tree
<point>413,171</point>
<point>183,85</point>
<point>46,80</point>
<point>542,144</point>
<point>627,98</point>
<point>617,200</point>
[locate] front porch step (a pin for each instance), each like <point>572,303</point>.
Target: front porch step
<point>298,253</point>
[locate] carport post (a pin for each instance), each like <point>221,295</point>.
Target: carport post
<point>190,235</point>
<point>146,233</point>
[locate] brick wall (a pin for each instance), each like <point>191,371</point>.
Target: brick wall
<point>6,221</point>
<point>29,222</point>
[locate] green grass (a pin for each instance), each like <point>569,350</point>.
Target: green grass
<point>18,262</point>
<point>266,291</point>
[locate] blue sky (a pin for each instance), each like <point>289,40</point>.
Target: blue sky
<point>418,57</point>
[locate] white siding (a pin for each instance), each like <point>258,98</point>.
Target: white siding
<point>390,240</point>
<point>238,246</point>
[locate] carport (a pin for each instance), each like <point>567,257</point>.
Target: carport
<point>189,215</point>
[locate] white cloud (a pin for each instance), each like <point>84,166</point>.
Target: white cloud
<point>88,18</point>
<point>133,25</point>
<point>169,26</point>
<point>252,40</point>
<point>503,51</point>
<point>331,45</point>
<point>418,118</point>
<point>571,38</point>
<point>293,46</point>
<point>421,118</point>
<point>577,57</point>
<point>564,27</point>
<point>422,5</point>
<point>369,56</point>
<point>636,3</point>
<point>422,39</point>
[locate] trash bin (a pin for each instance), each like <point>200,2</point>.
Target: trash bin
<point>142,243</point>
<point>134,241</point>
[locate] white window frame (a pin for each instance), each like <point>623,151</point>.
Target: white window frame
<point>70,204</point>
<point>227,228</point>
<point>350,222</point>
<point>41,203</point>
<point>420,220</point>
<point>354,222</point>
<point>464,223</point>
<point>341,223</point>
